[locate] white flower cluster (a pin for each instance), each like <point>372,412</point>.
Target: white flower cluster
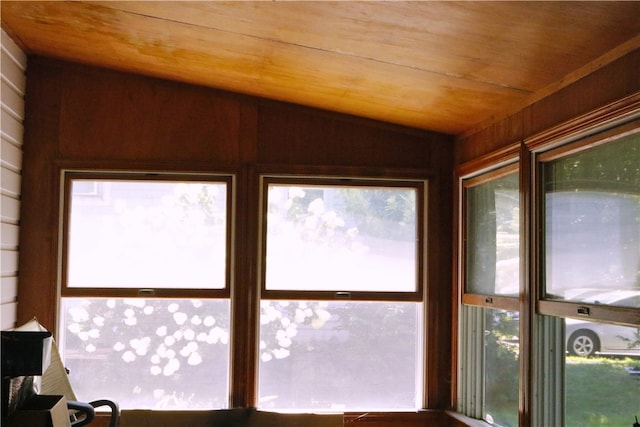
<point>284,317</point>
<point>179,341</point>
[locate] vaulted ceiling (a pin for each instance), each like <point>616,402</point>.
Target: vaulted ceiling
<point>443,66</point>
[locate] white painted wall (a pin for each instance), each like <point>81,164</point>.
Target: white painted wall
<point>13,82</point>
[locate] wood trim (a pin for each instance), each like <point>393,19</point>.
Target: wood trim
<point>491,301</point>
<point>612,134</point>
<point>245,294</point>
<point>460,420</point>
<point>606,59</point>
<point>587,124</point>
<point>624,316</point>
<point>488,174</point>
<point>397,419</point>
<point>494,160</point>
<point>528,224</point>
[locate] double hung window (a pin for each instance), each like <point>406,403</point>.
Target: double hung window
<point>589,205</point>
<point>145,288</point>
<point>490,282</point>
<point>146,292</point>
<point>341,295</point>
<point>582,294</point>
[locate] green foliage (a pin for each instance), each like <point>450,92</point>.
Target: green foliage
<point>397,207</point>
<point>501,367</point>
<point>613,167</point>
<point>599,392</point>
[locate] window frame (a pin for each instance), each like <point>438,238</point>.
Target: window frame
<point>545,343</point>
<point>499,170</point>
<point>68,175</point>
<point>469,390</point>
<point>224,293</point>
<point>418,296</point>
<point>556,150</point>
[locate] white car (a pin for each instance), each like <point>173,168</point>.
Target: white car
<point>586,338</point>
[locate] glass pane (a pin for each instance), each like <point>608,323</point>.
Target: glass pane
<point>335,356</point>
<point>341,238</point>
<point>492,252</point>
<point>586,338</point>
<point>592,225</point>
<point>601,390</point>
<point>148,353</point>
<point>147,234</point>
<point>501,351</point>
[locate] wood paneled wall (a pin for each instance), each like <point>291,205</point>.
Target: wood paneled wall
<point>14,64</point>
<point>84,117</point>
<point>610,83</point>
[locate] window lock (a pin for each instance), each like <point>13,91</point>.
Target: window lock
<point>584,311</point>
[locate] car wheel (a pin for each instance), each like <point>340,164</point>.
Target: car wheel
<point>583,343</point>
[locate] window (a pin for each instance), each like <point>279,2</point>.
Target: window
<point>589,204</point>
<point>145,289</point>
<point>592,232</point>
<point>488,315</point>
<point>341,279</point>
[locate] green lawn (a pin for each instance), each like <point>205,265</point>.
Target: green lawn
<point>599,392</point>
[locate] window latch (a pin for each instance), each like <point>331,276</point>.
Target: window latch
<point>584,311</point>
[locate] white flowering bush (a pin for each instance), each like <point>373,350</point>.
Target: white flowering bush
<point>155,352</point>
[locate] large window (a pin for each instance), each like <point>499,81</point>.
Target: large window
<point>588,196</point>
<point>490,283</point>
<point>145,307</point>
<point>341,308</point>
<point>592,224</point>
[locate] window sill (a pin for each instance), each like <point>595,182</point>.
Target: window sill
<point>463,420</point>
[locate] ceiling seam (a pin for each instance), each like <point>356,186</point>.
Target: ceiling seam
<point>272,40</point>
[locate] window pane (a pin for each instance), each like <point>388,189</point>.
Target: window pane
<point>592,224</point>
<point>501,353</point>
<point>147,234</point>
<point>601,390</point>
<point>334,356</point>
<point>586,338</point>
<point>341,238</point>
<point>148,353</point>
<point>492,255</point>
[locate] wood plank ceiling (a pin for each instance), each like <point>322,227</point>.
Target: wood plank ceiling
<point>442,66</point>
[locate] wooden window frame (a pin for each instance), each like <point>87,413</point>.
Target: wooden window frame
<point>551,151</point>
<point>132,292</point>
<point>337,294</point>
<point>506,167</point>
<point>418,296</point>
<point>487,168</point>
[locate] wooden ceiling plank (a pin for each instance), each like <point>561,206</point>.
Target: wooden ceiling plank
<point>263,68</point>
<point>443,66</point>
<point>500,43</point>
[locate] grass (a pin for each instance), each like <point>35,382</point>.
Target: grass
<point>599,392</point>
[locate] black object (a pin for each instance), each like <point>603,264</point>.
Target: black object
<point>85,412</point>
<point>25,353</point>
